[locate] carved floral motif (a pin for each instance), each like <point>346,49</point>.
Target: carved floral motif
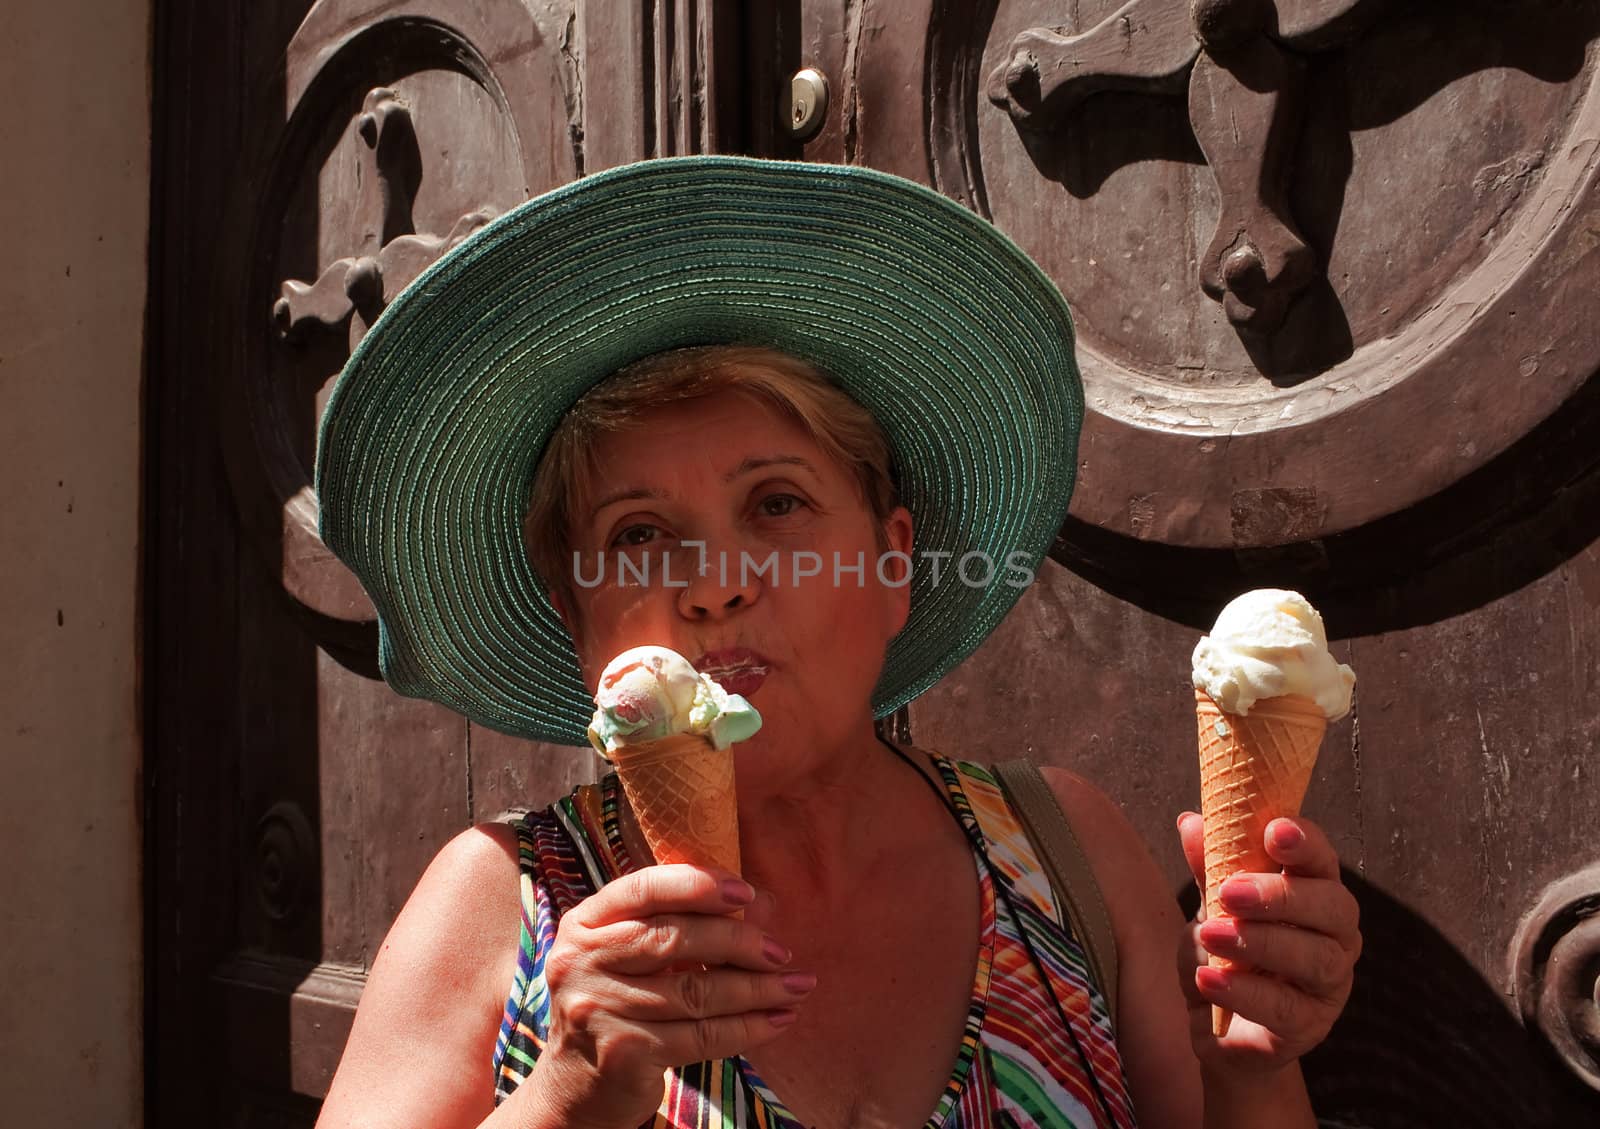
<point>1239,62</point>
<point>392,252</point>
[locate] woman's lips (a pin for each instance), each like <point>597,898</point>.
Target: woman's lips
<point>744,681</point>
<point>738,670</point>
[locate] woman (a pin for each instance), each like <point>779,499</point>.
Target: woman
<point>898,958</point>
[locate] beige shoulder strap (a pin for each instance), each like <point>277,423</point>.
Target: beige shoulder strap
<point>1070,874</point>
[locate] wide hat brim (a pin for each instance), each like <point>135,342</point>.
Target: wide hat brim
<point>933,320</point>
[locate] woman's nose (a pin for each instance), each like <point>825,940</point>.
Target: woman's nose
<point>719,584</point>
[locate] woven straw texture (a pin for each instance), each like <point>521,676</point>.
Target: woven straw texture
<point>928,316</point>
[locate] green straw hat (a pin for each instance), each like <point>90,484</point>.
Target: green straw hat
<point>939,325</point>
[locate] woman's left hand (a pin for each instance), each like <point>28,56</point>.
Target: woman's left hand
<point>1293,939</point>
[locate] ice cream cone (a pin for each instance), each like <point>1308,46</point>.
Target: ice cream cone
<point>681,790</point>
<point>1254,768</point>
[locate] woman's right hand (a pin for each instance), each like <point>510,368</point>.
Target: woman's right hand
<point>649,973</point>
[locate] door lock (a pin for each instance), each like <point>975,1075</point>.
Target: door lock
<point>806,104</point>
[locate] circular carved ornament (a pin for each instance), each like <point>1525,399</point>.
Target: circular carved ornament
<point>286,862</point>
<point>408,126</point>
<point>1440,165</point>
<point>1555,971</point>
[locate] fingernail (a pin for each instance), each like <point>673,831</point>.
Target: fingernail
<point>1220,934</point>
<point>773,950</point>
<point>737,892</point>
<point>799,983</point>
<point>1211,979</point>
<point>782,1017</point>
<point>1286,836</point>
<point>1241,893</point>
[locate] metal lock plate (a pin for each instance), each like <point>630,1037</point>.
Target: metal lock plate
<point>806,105</point>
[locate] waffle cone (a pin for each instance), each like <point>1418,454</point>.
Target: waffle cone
<point>1254,768</point>
<point>681,792</point>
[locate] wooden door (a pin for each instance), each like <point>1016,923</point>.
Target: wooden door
<point>314,157</point>
<point>1334,267</point>
<point>1374,386</point>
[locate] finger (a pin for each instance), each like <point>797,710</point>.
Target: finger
<point>1191,955</point>
<point>1315,963</point>
<point>1191,832</point>
<point>1298,1019</point>
<point>642,946</point>
<point>1300,847</point>
<point>1289,899</point>
<point>709,993</point>
<point>697,1040</point>
<point>763,911</point>
<point>669,888</point>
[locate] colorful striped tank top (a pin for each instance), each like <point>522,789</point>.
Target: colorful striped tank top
<point>1038,1049</point>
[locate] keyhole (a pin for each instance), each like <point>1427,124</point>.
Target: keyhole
<point>804,104</point>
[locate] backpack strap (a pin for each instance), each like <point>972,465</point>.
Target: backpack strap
<point>1070,874</point>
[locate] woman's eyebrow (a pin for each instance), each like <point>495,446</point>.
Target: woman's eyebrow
<point>630,495</point>
<point>757,462</point>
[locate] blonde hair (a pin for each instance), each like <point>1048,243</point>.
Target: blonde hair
<point>842,428</point>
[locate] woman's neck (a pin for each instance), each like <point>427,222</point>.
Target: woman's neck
<point>808,836</point>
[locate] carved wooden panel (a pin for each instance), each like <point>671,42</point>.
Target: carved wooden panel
<point>403,128</point>
<point>1332,263</point>
<point>316,158</point>
<point>1389,325</point>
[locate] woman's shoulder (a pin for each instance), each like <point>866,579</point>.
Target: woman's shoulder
<point>460,923</point>
<point>463,913</point>
<point>1151,1019</point>
<point>477,853</point>
<point>1136,894</point>
<point>472,847</point>
<point>1096,817</point>
<point>467,894</point>
<point>440,977</point>
<point>1090,811</point>
<point>1120,858</point>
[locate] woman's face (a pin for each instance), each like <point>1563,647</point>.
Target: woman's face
<point>715,528</point>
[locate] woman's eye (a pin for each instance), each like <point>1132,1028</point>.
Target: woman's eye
<point>634,535</point>
<point>779,505</point>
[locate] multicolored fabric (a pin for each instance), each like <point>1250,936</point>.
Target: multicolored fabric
<point>1038,1051</point>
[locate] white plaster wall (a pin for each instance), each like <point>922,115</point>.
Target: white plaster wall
<point>74,217</point>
